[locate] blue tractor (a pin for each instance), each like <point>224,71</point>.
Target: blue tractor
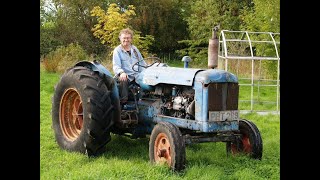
<point>172,106</point>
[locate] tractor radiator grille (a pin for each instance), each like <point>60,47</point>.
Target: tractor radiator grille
<point>223,96</point>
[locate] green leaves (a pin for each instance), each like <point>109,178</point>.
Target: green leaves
<point>111,22</point>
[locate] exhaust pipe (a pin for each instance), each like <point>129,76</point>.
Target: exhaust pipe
<point>213,49</point>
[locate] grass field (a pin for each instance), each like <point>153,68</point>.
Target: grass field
<point>128,158</point>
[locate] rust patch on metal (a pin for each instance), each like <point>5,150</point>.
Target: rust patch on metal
<point>215,97</point>
<point>233,96</point>
<point>216,102</point>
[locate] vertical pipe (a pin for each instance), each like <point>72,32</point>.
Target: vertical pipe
<point>238,64</point>
<point>213,49</point>
<point>252,70</point>
<point>185,64</point>
<point>259,80</point>
<point>225,50</point>
<point>278,74</point>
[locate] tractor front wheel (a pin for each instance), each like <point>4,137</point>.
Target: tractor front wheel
<point>167,146</point>
<point>250,142</point>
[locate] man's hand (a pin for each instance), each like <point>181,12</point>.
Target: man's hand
<point>123,76</point>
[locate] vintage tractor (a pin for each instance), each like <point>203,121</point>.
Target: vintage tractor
<point>175,106</point>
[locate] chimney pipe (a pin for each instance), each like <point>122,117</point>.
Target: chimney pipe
<point>213,49</point>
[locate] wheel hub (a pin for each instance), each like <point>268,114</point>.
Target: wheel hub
<point>71,114</point>
<point>162,149</point>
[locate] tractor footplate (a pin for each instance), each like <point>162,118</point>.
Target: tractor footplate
<point>129,118</point>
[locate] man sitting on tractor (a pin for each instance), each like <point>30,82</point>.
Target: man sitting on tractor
<point>124,56</point>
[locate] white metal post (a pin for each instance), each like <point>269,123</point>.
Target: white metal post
<point>278,74</point>
<point>252,70</point>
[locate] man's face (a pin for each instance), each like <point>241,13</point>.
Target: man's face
<point>126,39</point>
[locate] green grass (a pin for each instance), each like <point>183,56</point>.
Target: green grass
<point>128,158</point>
<point>264,97</point>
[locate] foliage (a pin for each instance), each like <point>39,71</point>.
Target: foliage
<point>48,40</point>
<point>74,23</point>
<point>48,29</point>
<point>42,11</point>
<point>110,24</point>
<point>264,16</point>
<point>162,26</point>
<point>212,13</point>
<point>162,19</point>
<point>64,57</point>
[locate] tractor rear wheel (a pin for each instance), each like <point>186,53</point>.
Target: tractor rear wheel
<point>250,143</point>
<point>82,113</point>
<point>167,146</point>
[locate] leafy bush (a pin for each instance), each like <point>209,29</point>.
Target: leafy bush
<point>64,57</point>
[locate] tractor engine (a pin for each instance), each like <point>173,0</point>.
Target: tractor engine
<point>176,101</point>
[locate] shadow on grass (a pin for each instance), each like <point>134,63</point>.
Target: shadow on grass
<point>124,147</point>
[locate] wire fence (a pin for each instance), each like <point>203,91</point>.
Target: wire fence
<point>255,58</point>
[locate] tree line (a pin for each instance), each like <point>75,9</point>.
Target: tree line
<point>180,27</point>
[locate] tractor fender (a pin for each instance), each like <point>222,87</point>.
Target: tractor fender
<point>95,66</point>
<point>115,99</point>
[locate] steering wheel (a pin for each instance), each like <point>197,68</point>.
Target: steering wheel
<point>156,60</point>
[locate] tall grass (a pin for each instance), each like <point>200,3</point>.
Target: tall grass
<point>127,158</point>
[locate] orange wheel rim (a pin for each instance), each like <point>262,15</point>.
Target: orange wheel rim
<point>71,114</point>
<point>246,144</point>
<point>247,148</point>
<point>162,149</point>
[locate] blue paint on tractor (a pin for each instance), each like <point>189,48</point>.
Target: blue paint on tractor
<point>148,108</point>
<point>167,75</point>
<point>198,125</point>
<point>215,75</point>
<point>198,79</point>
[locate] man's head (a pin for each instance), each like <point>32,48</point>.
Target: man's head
<point>126,36</point>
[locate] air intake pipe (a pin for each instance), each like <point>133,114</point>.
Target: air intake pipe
<point>213,49</point>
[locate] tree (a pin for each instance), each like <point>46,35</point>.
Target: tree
<point>162,19</point>
<point>204,15</point>
<point>264,16</point>
<point>74,24</point>
<point>111,22</point>
<point>48,27</point>
<point>48,40</point>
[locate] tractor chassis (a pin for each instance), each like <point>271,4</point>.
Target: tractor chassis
<point>192,139</point>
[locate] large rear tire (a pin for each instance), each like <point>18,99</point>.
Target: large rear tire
<point>250,143</point>
<point>82,113</point>
<point>167,146</point>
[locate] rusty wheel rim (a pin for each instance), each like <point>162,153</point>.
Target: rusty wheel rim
<point>162,149</point>
<point>71,114</point>
<point>246,145</point>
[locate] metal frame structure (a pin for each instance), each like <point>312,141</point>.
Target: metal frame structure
<point>236,39</point>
